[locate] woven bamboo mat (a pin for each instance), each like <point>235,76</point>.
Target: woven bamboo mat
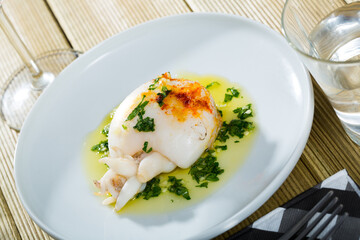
<point>81,24</point>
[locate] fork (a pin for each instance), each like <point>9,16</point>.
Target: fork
<point>327,202</point>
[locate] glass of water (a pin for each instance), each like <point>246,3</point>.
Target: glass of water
<point>326,34</point>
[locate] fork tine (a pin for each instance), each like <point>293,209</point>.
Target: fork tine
<point>307,217</point>
<point>317,219</point>
<point>324,224</point>
<point>337,225</point>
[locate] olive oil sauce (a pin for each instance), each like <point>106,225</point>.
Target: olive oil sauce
<point>230,160</point>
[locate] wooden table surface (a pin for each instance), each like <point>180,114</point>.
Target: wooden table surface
<point>45,25</point>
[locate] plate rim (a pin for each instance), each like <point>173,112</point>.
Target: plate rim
<point>255,203</point>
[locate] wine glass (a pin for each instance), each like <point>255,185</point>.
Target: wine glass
<point>27,83</point>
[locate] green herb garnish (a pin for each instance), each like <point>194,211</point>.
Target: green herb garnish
<point>223,133</point>
<point>152,189</point>
<point>234,93</point>
<point>228,97</point>
<point>105,130</point>
<point>145,147</point>
<point>244,112</point>
<point>145,124</point>
<point>212,84</point>
<point>224,147</point>
<point>165,92</point>
<point>139,109</point>
<point>153,86</point>
<point>124,127</point>
<point>204,184</point>
<point>178,188</point>
<point>237,127</point>
<point>206,168</point>
<point>102,147</point>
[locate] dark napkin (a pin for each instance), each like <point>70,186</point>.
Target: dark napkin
<point>277,222</point>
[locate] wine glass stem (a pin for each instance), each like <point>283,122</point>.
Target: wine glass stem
<point>18,44</point>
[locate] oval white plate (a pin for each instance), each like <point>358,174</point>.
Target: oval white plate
<point>49,174</point>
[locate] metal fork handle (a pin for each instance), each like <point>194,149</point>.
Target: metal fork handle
<point>307,217</point>
<point>338,224</point>
<point>317,220</point>
<point>321,228</point>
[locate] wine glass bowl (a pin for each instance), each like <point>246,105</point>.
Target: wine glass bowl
<point>26,84</point>
<point>21,91</point>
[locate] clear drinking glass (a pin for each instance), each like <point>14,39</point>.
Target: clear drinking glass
<point>26,84</point>
<point>326,34</point>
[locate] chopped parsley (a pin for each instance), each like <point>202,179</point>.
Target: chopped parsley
<point>145,147</point>
<point>138,110</point>
<point>152,189</point>
<point>173,185</point>
<point>223,133</point>
<point>236,127</point>
<point>102,147</point>
<point>203,185</point>
<point>178,188</point>
<point>228,97</point>
<point>143,124</point>
<point>220,112</point>
<point>244,112</point>
<point>153,86</point>
<point>124,127</point>
<point>105,130</point>
<point>212,84</point>
<point>165,92</point>
<point>206,168</point>
<point>233,93</point>
<point>224,147</point>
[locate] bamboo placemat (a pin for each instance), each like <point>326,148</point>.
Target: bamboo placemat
<point>46,25</point>
<point>87,23</point>
<point>33,21</point>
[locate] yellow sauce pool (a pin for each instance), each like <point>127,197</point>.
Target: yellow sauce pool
<point>230,160</point>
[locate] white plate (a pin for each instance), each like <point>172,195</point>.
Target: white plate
<point>49,174</point>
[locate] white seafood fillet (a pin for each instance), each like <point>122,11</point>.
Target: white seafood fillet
<point>152,165</point>
<point>186,124</point>
<point>129,190</point>
<point>124,166</point>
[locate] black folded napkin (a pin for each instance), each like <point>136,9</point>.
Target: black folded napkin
<point>277,222</point>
